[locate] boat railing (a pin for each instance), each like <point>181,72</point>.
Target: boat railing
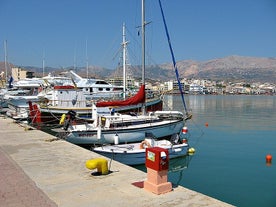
<point>67,103</point>
<point>110,121</point>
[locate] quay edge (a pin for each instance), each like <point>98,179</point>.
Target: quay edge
<point>58,169</point>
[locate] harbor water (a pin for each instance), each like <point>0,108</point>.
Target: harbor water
<point>232,136</point>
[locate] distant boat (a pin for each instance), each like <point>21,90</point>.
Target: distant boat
<point>134,153</point>
<point>95,89</point>
<point>17,99</point>
<point>27,90</point>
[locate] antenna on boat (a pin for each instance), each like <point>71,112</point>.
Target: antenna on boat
<point>189,116</point>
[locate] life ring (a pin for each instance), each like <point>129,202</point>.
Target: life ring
<point>145,144</point>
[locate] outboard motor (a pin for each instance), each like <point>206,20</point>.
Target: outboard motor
<point>175,139</point>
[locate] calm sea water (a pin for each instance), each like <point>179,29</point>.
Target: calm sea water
<point>232,136</point>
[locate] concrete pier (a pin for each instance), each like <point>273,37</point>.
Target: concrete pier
<point>39,170</point>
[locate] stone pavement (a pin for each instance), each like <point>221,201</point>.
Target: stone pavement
<point>38,170</point>
<point>17,189</point>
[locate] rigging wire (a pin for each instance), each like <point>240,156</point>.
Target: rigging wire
<point>197,138</point>
<point>173,59</point>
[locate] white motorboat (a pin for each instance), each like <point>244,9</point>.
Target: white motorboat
<point>134,153</point>
<point>95,89</point>
<point>25,90</point>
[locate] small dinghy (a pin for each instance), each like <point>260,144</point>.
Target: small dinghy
<point>134,153</point>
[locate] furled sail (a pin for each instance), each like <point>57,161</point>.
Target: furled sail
<point>136,99</point>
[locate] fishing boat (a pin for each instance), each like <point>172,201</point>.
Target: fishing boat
<point>59,100</point>
<point>74,94</point>
<point>134,153</point>
<point>63,98</point>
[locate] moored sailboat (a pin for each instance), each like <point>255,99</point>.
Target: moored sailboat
<point>108,128</point>
<point>128,128</point>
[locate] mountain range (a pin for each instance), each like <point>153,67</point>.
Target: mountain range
<point>231,68</point>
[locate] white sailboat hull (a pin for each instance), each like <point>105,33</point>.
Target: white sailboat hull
<point>133,133</point>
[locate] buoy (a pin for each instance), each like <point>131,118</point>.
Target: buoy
<point>206,124</point>
<point>191,150</point>
<point>99,132</point>
<point>268,159</point>
<point>184,141</point>
<point>184,130</point>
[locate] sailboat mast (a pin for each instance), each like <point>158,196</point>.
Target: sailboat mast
<point>86,59</point>
<point>143,49</point>
<point>6,68</point>
<point>124,61</point>
<point>43,64</point>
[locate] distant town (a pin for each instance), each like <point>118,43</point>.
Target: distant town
<point>189,86</point>
<point>201,86</point>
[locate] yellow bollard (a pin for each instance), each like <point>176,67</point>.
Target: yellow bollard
<point>99,163</point>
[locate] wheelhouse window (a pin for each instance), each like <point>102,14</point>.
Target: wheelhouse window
<point>101,82</point>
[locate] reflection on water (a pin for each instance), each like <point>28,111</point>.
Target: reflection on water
<point>229,163</point>
<point>238,112</point>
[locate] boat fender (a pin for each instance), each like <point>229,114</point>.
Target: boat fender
<point>62,119</point>
<point>99,132</point>
<point>191,150</point>
<point>145,144</point>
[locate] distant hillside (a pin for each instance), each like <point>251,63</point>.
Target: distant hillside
<point>232,68</point>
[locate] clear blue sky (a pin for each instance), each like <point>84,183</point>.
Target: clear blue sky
<point>60,30</point>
